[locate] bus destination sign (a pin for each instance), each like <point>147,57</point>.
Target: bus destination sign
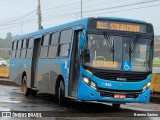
<point>120,26</point>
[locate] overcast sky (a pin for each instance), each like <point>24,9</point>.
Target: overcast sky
<point>20,16</point>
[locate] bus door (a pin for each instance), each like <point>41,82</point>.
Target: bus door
<point>74,66</point>
<point>34,61</point>
<point>43,65</point>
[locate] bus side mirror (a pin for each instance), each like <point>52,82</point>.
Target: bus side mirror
<point>82,40</point>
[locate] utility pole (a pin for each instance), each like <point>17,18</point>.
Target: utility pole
<point>39,15</point>
<point>81,9</point>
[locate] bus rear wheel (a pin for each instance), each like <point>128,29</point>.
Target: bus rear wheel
<point>26,91</point>
<point>61,94</point>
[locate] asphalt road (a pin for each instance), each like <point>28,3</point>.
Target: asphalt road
<point>12,99</point>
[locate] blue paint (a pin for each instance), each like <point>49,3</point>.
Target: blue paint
<point>60,66</point>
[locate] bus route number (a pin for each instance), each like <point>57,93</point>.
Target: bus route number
<point>101,25</point>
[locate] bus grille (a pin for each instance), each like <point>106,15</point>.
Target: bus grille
<point>110,93</point>
<point>117,75</point>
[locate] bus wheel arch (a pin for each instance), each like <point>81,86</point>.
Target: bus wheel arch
<point>26,91</point>
<point>60,90</point>
<point>59,78</point>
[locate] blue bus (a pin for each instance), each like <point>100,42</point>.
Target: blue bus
<point>101,59</point>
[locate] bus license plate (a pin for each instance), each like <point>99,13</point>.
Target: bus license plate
<point>121,96</point>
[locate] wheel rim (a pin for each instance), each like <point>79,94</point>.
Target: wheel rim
<point>59,95</point>
<point>24,86</point>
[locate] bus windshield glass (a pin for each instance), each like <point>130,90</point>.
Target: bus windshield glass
<point>114,52</point>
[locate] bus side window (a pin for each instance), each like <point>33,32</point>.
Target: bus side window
<point>12,45</point>
<point>14,49</point>
<point>53,46</point>
<point>29,48</point>
<point>44,46</point>
<point>19,49</point>
<point>65,41</point>
<point>23,51</point>
<point>16,46</point>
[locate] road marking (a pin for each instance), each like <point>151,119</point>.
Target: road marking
<point>9,101</point>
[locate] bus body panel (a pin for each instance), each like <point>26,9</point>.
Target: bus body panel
<point>49,69</point>
<point>20,66</point>
<point>43,75</point>
<point>88,93</point>
<point>48,74</point>
<point>116,84</point>
<point>25,64</point>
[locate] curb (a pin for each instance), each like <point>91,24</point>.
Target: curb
<point>8,82</point>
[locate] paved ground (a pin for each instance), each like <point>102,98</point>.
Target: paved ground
<point>12,99</point>
<point>156,69</point>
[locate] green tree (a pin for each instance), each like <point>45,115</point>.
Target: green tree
<point>6,43</point>
<point>8,40</point>
<point>157,39</point>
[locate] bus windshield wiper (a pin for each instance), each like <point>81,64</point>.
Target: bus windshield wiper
<point>135,43</point>
<point>109,43</point>
<point>133,47</point>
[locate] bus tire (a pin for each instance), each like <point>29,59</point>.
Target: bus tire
<point>61,94</point>
<point>116,106</point>
<point>26,91</point>
<point>33,93</point>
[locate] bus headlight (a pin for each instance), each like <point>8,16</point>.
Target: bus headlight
<point>86,80</point>
<point>90,83</point>
<point>146,86</point>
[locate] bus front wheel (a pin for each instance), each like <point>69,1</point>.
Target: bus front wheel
<point>61,93</point>
<point>116,106</point>
<point>26,91</point>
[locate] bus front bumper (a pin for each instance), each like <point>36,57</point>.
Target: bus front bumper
<point>86,93</point>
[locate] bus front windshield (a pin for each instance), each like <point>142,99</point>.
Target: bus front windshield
<point>113,52</point>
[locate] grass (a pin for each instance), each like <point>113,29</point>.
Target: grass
<point>156,63</point>
<point>8,60</point>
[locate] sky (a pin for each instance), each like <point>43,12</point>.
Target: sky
<point>20,16</point>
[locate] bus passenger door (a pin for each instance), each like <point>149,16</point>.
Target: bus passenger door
<point>34,62</point>
<point>74,66</point>
<point>43,66</point>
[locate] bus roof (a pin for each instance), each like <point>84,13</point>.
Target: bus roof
<point>123,19</point>
<point>71,24</point>
<point>39,32</point>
